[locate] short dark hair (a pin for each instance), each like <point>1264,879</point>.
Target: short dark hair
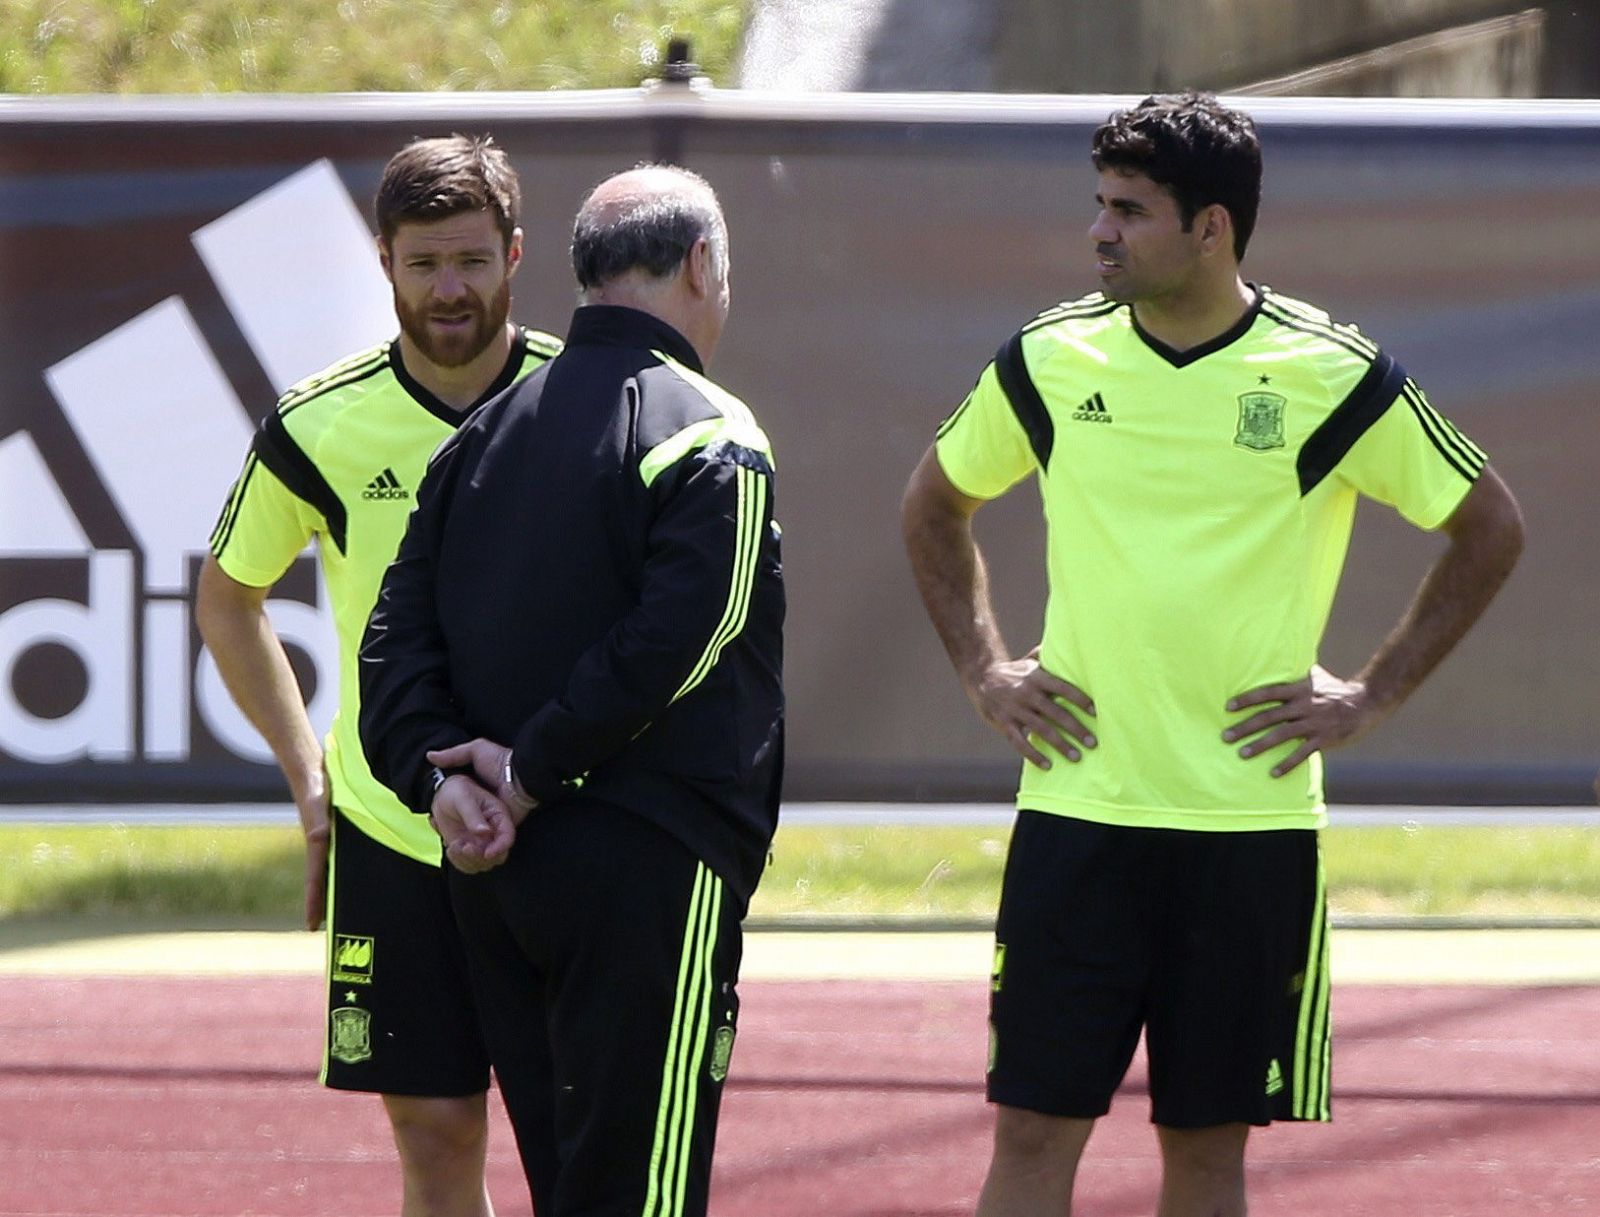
<point>1197,148</point>
<point>654,234</point>
<point>434,179</point>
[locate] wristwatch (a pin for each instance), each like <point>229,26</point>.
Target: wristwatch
<point>439,776</point>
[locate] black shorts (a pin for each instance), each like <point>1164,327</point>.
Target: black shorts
<point>605,956</point>
<point>400,1014</point>
<point>1214,943</point>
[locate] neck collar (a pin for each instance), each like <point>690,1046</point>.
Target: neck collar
<point>437,406</point>
<point>1181,359</point>
<point>617,325</point>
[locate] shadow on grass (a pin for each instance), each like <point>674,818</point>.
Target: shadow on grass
<point>20,932</point>
<point>261,893</point>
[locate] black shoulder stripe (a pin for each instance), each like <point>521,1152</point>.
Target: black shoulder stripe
<point>1469,451</point>
<point>1464,457</point>
<point>288,461</point>
<point>1026,403</point>
<point>1323,324</point>
<point>951,421</point>
<point>1071,312</point>
<point>366,365</point>
<point>1356,347</point>
<point>223,532</point>
<point>966,401</point>
<point>1363,405</point>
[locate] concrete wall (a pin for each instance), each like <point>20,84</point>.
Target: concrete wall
<point>1499,57</point>
<point>1142,45</point>
<point>883,249</point>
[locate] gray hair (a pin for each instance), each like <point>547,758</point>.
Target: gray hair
<point>653,233</point>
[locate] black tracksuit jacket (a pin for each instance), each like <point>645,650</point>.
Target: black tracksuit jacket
<point>591,574</point>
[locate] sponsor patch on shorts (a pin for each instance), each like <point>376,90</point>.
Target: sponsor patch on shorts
<point>352,959</point>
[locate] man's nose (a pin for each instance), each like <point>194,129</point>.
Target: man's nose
<point>1103,231</point>
<point>449,284</point>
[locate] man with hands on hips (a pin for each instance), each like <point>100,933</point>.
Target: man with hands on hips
<point>1199,443</point>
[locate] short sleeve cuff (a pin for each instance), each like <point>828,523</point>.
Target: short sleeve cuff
<point>243,572</point>
<point>1443,505</point>
<point>962,479</point>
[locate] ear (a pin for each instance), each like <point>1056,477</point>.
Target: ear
<point>514,252</point>
<point>697,267</point>
<point>385,260</point>
<point>1215,227</point>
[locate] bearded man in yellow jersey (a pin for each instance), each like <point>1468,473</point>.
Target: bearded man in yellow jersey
<point>1199,443</point>
<point>339,461</point>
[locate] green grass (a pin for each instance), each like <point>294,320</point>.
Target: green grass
<point>890,872</point>
<point>304,46</point>
<point>116,873</point>
<point>1535,871</point>
<point>227,874</point>
<point>1400,871</point>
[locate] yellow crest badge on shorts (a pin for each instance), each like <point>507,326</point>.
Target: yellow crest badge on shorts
<point>721,1053</point>
<point>351,1041</point>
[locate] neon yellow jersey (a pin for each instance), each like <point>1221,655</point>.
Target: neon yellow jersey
<point>1198,507</point>
<point>339,460</point>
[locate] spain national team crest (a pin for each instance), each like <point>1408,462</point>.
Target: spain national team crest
<point>1260,421</point>
<point>352,1035</point>
<point>721,1053</point>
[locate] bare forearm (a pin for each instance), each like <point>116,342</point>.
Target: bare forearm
<point>1453,595</point>
<point>258,677</point>
<point>951,576</point>
<point>954,584</point>
<point>1450,599</point>
<point>1017,697</point>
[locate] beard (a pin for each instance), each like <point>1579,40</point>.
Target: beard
<point>460,347</point>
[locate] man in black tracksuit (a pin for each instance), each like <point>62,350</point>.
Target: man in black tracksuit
<point>591,574</point>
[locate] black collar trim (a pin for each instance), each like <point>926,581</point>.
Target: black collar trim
<point>441,410</point>
<point>1229,336</point>
<point>618,326</point>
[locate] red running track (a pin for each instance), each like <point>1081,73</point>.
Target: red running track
<point>194,1098</point>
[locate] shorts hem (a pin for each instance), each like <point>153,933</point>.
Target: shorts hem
<point>408,1091</point>
<point>1255,1120</point>
<point>1070,1108</point>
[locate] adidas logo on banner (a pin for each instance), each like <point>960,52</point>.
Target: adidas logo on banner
<point>98,661</point>
<point>385,486</point>
<point>1092,411</point>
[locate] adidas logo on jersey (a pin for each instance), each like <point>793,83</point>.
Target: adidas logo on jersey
<point>385,486</point>
<point>1092,411</point>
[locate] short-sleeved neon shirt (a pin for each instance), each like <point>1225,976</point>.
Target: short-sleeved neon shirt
<point>1198,507</point>
<point>339,460</point>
